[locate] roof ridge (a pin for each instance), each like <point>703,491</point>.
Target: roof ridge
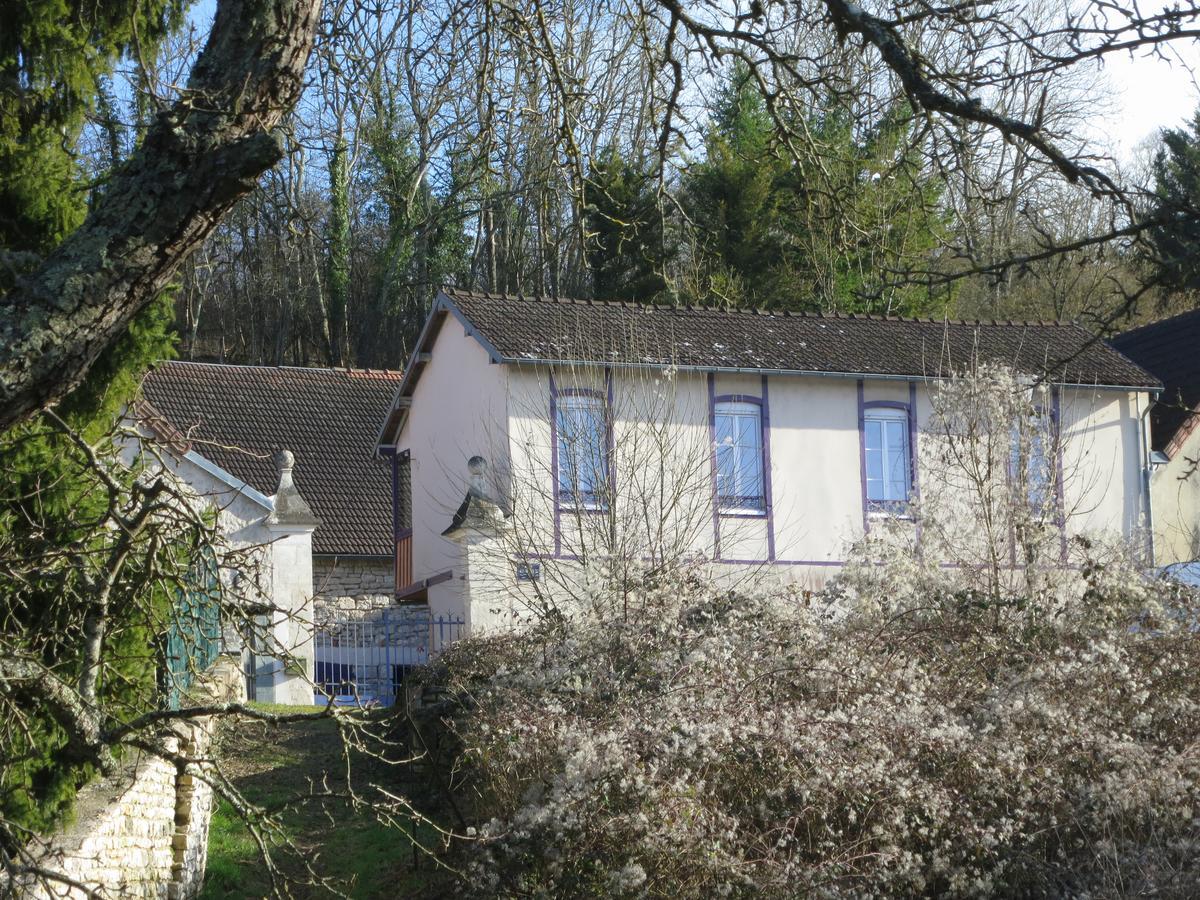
<point>753,310</point>
<point>350,370</point>
<point>1158,324</point>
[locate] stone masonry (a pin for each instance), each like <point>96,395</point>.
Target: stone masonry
<point>142,832</point>
<point>351,588</point>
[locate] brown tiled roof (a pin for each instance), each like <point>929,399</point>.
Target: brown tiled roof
<point>1171,350</point>
<point>237,416</point>
<point>554,330</point>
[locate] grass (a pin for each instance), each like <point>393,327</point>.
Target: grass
<point>276,767</point>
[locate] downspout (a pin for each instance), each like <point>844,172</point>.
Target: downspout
<point>1147,469</point>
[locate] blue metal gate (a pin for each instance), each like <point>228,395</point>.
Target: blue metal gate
<point>364,661</point>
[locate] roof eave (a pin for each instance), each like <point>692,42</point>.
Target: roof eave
<point>249,492</point>
<point>393,423</point>
<point>811,373</point>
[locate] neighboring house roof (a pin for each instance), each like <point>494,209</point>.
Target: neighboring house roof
<point>1171,350</point>
<point>555,331</point>
<point>238,416</point>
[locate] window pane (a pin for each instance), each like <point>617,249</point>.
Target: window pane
<point>725,426</point>
<point>582,451</point>
<point>887,458</point>
<point>739,456</point>
<point>874,465</point>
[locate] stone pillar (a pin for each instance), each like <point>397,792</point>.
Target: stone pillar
<point>480,529</point>
<point>289,556</point>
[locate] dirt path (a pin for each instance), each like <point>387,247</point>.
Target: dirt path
<point>274,766</point>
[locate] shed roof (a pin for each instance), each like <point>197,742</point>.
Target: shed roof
<point>238,416</point>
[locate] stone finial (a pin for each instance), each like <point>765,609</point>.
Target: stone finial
<point>477,467</point>
<point>290,507</point>
<point>479,510</point>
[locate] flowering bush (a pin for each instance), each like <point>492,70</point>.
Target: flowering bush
<point>681,739</point>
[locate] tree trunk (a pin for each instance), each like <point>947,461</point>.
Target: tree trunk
<point>198,158</point>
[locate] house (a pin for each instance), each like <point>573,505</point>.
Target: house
<point>745,438</point>
<point>286,457</point>
<point>1170,349</point>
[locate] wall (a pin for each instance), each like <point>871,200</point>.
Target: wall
<point>275,565</point>
<point>356,586</point>
<point>143,832</point>
<point>1175,487</point>
<point>459,410</point>
<point>465,405</point>
<point>816,492</point>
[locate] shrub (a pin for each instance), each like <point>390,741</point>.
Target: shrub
<point>898,735</point>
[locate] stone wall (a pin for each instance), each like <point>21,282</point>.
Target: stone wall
<point>357,587</point>
<point>143,831</point>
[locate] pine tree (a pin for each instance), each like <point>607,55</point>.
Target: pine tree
<point>53,54</point>
<point>626,252</point>
<point>831,222</point>
<point>733,200</point>
<point>1177,190</point>
<point>53,57</point>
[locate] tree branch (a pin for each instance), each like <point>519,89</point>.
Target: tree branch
<point>198,158</point>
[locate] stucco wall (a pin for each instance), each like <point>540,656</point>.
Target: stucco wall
<point>142,832</point>
<point>458,411</point>
<point>274,566</point>
<point>1176,490</point>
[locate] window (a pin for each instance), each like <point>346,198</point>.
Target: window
<point>889,464</point>
<point>582,451</point>
<point>739,457</point>
<point>1029,464</point>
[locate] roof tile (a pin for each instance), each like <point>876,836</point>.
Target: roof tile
<point>238,416</point>
<point>559,330</point>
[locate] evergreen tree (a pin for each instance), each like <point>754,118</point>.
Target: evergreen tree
<point>1177,192</point>
<point>53,54</point>
<point>858,214</point>
<point>626,253</point>
<point>733,199</point>
<point>831,223</point>
<point>423,242</point>
<point>53,57</point>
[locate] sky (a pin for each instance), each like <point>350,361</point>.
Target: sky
<point>1150,93</point>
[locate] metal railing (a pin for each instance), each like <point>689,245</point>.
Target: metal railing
<point>365,661</point>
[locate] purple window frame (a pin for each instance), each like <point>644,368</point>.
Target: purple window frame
<point>606,400</point>
<point>896,508</point>
<point>768,514</point>
<point>732,511</point>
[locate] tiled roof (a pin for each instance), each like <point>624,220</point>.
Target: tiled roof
<point>237,416</point>
<point>1171,350</point>
<point>554,330</point>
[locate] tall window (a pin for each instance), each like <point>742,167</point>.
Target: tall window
<point>582,451</point>
<point>739,457</point>
<point>888,457</point>
<point>1030,463</point>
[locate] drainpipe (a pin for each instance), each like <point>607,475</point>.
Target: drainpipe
<point>1147,469</point>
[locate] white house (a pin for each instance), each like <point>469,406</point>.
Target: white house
<point>742,438</point>
<point>285,457</point>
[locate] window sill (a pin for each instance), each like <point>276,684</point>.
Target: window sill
<point>731,513</point>
<point>583,509</point>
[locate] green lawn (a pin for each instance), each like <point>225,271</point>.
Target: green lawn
<point>277,767</point>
